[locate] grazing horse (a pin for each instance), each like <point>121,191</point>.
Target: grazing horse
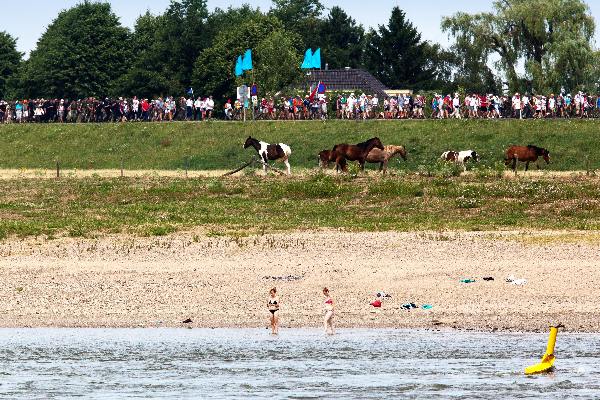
<point>461,157</point>
<point>325,157</point>
<point>450,156</point>
<point>328,156</point>
<point>466,156</point>
<point>525,154</point>
<point>384,156</point>
<point>357,152</point>
<point>271,152</point>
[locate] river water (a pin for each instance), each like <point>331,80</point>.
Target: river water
<point>299,364</point>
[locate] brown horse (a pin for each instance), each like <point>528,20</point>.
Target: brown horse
<point>525,154</point>
<point>384,156</point>
<point>357,152</point>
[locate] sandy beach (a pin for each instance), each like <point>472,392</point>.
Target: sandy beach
<point>223,282</point>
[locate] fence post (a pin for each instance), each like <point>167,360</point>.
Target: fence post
<point>122,167</point>
<point>588,170</point>
<point>516,163</point>
<point>57,169</point>
<point>187,165</point>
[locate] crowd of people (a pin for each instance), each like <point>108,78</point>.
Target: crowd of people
<point>314,107</point>
<point>106,110</point>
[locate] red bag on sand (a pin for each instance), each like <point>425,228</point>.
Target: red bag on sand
<point>376,303</point>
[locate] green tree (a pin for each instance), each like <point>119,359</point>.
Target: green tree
<point>551,38</point>
<point>221,20</point>
<point>397,56</point>
<point>165,48</point>
<point>302,17</point>
<point>276,62</point>
<point>83,51</point>
<point>341,40</point>
<point>180,39</point>
<point>10,59</point>
<point>146,76</point>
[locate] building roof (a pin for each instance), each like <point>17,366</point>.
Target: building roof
<point>347,80</point>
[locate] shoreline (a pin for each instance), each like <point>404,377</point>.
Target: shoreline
<point>222,282</point>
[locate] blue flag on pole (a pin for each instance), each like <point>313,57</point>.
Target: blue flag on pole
<point>247,61</point>
<point>307,63</point>
<point>238,67</point>
<point>316,59</point>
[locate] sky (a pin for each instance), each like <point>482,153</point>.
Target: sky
<point>28,23</point>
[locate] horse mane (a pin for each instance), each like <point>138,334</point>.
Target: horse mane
<point>538,150</point>
<point>393,150</point>
<point>366,144</point>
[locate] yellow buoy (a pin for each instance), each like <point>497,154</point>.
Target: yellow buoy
<point>547,362</point>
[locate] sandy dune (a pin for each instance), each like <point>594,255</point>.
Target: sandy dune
<point>223,282</point>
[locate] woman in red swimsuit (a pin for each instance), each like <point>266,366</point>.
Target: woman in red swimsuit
<point>328,312</point>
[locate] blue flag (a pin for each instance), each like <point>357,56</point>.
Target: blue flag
<point>238,67</point>
<point>247,61</point>
<point>190,91</point>
<point>316,59</point>
<point>307,63</point>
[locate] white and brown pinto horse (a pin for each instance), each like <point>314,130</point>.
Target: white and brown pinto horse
<point>271,152</point>
<point>461,157</point>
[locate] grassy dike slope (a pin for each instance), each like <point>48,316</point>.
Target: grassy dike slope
<point>218,145</point>
<point>152,206</point>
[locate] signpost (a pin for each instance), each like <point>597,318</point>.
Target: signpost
<point>243,95</point>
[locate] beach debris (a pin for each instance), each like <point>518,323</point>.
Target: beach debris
<point>426,306</point>
<point>467,281</point>
<point>187,321</point>
<point>547,362</point>
<point>409,306</point>
<point>516,281</point>
<point>379,297</point>
<point>488,278</point>
<point>289,278</point>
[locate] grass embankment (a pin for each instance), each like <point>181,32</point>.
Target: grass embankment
<point>158,206</point>
<point>574,144</point>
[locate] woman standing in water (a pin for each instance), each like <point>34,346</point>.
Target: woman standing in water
<point>273,307</point>
<point>328,312</point>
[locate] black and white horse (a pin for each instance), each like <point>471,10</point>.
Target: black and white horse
<point>271,152</point>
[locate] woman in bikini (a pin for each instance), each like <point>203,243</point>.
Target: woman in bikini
<point>328,312</point>
<point>273,307</point>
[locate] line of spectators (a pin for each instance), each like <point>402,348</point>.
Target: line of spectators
<point>314,107</point>
<point>106,110</point>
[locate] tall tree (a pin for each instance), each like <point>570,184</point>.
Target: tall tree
<point>10,59</point>
<point>551,38</point>
<point>81,54</point>
<point>341,40</point>
<point>302,17</point>
<point>146,76</point>
<point>165,49</point>
<point>181,38</point>
<point>396,54</point>
<point>220,20</point>
<point>276,61</point>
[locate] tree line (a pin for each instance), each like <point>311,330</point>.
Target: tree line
<point>522,45</point>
